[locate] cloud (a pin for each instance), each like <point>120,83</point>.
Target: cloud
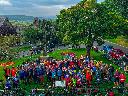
<point>42,8</point>
<point>5,3</point>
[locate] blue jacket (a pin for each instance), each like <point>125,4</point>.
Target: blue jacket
<point>8,84</point>
<point>59,72</point>
<point>53,74</point>
<point>94,69</point>
<point>22,73</point>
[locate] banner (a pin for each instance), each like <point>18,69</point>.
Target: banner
<point>60,84</point>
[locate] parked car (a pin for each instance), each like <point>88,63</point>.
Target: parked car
<point>116,53</point>
<point>107,48</point>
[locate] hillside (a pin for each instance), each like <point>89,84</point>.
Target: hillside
<point>24,18</point>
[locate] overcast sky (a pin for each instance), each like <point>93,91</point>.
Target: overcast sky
<point>40,8</point>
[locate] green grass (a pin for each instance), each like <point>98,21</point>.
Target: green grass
<point>121,40</point>
<point>57,54</point>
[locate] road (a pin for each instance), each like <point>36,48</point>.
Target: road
<point>124,49</point>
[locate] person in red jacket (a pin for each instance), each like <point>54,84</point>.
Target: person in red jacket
<point>88,77</point>
<point>13,72</point>
<point>7,72</point>
<point>122,79</point>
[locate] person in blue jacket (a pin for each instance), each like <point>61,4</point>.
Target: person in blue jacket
<point>8,84</point>
<point>59,73</point>
<point>53,76</point>
<point>22,75</point>
<point>87,59</point>
<point>93,70</point>
<point>98,76</point>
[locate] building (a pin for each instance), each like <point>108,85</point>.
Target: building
<point>6,27</point>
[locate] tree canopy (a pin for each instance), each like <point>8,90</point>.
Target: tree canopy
<point>89,21</point>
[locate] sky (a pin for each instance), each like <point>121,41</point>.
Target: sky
<point>36,8</point>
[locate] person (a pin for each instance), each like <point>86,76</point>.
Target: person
<point>111,72</point>
<point>53,76</point>
<point>15,82</point>
<point>87,59</point>
<point>116,76</point>
<point>8,84</point>
<point>7,72</point>
<point>49,75</point>
<point>88,78</point>
<point>122,79</point>
<point>13,72</point>
<point>93,70</point>
<point>59,73</point>
<point>79,83</point>
<point>68,80</point>
<point>74,81</point>
<point>21,74</point>
<point>98,76</point>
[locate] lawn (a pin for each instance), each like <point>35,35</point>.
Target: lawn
<point>57,54</point>
<point>121,40</point>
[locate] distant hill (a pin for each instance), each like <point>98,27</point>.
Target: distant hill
<point>24,18</point>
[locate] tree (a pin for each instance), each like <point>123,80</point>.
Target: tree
<point>6,42</point>
<point>119,5</point>
<point>42,31</point>
<point>87,22</point>
<point>31,35</point>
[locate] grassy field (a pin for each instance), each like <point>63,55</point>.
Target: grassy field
<point>120,40</point>
<point>57,54</point>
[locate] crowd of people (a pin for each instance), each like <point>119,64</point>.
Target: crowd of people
<point>74,71</point>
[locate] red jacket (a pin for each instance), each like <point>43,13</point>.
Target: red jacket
<point>13,72</point>
<point>122,78</point>
<point>88,76</point>
<point>68,80</point>
<point>71,64</point>
<point>7,72</point>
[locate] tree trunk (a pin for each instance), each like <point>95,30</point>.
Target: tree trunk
<point>45,50</point>
<point>88,47</point>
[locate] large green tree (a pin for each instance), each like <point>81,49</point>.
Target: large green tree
<point>87,22</point>
<point>43,33</point>
<point>119,5</point>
